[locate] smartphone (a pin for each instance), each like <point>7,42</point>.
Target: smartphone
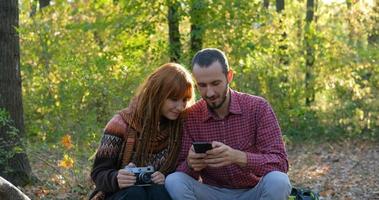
<point>202,147</point>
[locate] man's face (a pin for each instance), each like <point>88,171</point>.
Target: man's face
<point>212,84</point>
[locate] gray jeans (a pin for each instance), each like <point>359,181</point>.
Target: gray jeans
<point>274,186</point>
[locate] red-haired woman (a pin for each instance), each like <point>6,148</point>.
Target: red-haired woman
<point>146,133</point>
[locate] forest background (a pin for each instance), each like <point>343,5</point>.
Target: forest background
<point>315,61</point>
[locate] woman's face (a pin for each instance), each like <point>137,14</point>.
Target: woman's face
<point>172,108</point>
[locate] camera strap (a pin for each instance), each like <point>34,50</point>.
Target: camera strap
<point>127,147</point>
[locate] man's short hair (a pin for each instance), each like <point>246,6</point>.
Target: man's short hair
<point>206,57</point>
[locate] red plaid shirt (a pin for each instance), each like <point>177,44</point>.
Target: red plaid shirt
<point>250,126</point>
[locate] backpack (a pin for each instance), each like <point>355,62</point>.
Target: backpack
<point>303,194</point>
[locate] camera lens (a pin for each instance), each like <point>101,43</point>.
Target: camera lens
<point>145,177</point>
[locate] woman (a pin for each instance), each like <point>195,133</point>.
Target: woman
<point>147,133</point>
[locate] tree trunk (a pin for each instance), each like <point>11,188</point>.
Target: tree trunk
<point>309,54</point>
<point>15,169</point>
<point>373,37</point>
<point>198,9</point>
<point>283,49</point>
<point>279,5</point>
<point>350,22</point>
<point>33,8</point>
<point>10,192</point>
<point>43,3</point>
<point>266,4</point>
<point>284,59</point>
<point>174,34</point>
<point>310,11</point>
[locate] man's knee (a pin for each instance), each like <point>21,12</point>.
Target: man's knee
<point>171,178</point>
<point>179,185</point>
<point>277,182</point>
<point>176,180</point>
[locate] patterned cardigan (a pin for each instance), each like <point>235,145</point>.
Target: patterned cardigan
<point>108,158</point>
<point>116,150</point>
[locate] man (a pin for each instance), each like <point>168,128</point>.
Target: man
<point>248,159</point>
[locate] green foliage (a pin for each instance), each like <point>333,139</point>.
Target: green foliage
<point>256,41</point>
<point>81,62</point>
<point>9,142</point>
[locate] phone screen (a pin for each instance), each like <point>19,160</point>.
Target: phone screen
<point>202,147</point>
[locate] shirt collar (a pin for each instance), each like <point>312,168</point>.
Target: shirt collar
<point>234,107</point>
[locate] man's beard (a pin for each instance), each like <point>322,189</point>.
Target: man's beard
<point>217,106</point>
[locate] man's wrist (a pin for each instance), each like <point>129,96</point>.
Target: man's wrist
<point>241,158</point>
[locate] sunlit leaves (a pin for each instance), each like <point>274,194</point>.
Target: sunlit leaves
<point>66,141</point>
<point>82,61</point>
<point>67,162</point>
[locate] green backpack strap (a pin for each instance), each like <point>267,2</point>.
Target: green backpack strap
<point>303,194</point>
<point>295,194</point>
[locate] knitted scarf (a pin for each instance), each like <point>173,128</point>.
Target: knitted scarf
<point>158,143</point>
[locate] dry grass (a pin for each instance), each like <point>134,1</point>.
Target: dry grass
<point>344,170</point>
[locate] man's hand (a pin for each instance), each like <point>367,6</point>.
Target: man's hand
<point>126,178</point>
<point>222,155</point>
<point>158,178</point>
<point>196,160</point>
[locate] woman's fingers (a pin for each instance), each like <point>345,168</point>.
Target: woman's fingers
<point>125,178</point>
<point>125,183</point>
<point>158,178</point>
<point>131,165</point>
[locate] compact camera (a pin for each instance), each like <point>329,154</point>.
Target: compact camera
<point>143,174</point>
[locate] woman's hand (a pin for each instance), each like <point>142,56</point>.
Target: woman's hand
<point>126,178</point>
<point>158,178</point>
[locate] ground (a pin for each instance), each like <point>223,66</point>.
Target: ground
<point>340,170</point>
<point>337,170</point>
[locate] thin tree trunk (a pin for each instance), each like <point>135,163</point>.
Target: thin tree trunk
<point>174,34</point>
<point>279,5</point>
<point>309,54</point>
<point>310,11</point>
<point>284,60</point>
<point>373,37</point>
<point>33,8</point>
<point>43,3</point>
<point>197,27</point>
<point>11,96</point>
<point>266,4</point>
<point>283,55</point>
<point>349,19</point>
